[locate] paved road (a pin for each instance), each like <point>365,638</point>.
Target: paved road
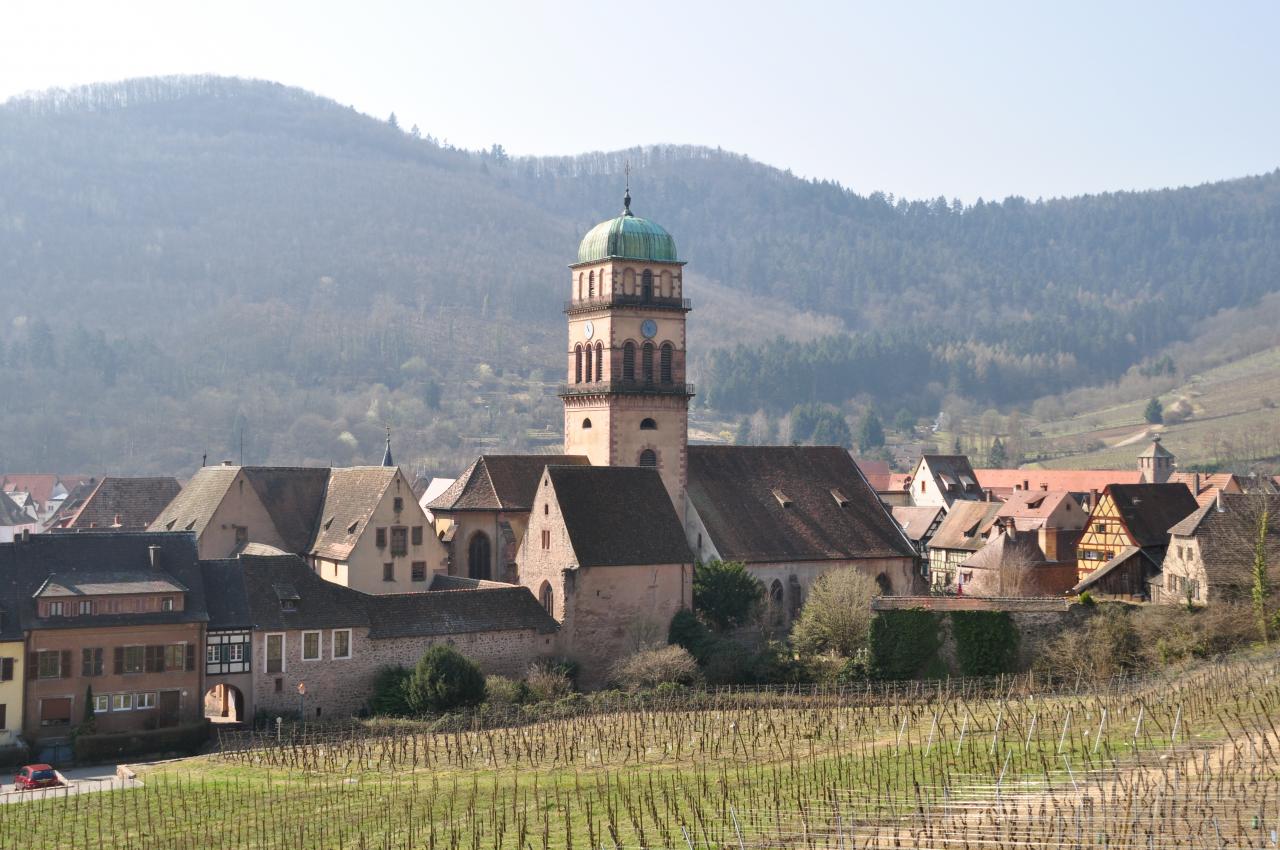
<point>84,780</point>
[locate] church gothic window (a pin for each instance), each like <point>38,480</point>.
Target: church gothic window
<point>668,352</point>
<point>646,363</point>
<point>649,458</point>
<point>629,361</point>
<point>599,361</point>
<point>577,364</point>
<point>547,597</point>
<point>647,424</point>
<point>478,556</point>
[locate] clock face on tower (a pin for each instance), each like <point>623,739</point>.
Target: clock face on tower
<point>649,328</point>
<point>589,329</point>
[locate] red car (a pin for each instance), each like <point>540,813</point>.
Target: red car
<point>36,776</point>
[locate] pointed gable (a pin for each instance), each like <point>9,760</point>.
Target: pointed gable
<point>618,516</point>
<point>500,483</point>
<point>350,499</point>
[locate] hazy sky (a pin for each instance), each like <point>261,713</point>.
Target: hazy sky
<point>964,99</point>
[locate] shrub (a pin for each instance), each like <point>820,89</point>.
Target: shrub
<point>687,630</point>
<point>547,682</point>
<point>389,698</point>
<point>903,643</point>
<point>1103,646</point>
<point>444,680</point>
<point>725,593</point>
<point>499,690</point>
<point>652,667</point>
<point>837,616</point>
<point>986,642</point>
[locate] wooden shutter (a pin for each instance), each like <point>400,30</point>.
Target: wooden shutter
<point>6,670</point>
<point>86,662</point>
<point>119,660</point>
<point>191,657</point>
<point>97,661</point>
<point>33,665</point>
<point>65,666</point>
<point>154,662</point>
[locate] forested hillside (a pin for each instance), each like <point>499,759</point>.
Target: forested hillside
<point>194,264</point>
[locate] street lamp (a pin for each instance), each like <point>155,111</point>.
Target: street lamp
<point>302,697</point>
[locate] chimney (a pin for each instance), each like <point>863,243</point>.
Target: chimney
<point>1195,484</point>
<point>1026,485</point>
<point>153,555</point>
<point>227,463</point>
<point>1044,485</point>
<point>1217,501</point>
<point>1049,543</point>
<point>1093,499</point>
<point>25,537</point>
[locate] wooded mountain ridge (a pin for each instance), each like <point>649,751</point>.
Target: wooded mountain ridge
<point>193,264</point>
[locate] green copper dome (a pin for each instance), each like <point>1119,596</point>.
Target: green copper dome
<point>627,237</point>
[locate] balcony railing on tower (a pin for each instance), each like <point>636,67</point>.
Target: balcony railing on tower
<point>626,387</point>
<point>661,302</point>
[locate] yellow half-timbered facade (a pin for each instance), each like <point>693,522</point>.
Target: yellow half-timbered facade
<point>1105,536</point>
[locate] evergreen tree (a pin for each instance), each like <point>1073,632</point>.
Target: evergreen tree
<point>870,432</point>
<point>1154,414</point>
<point>904,422</point>
<point>998,456</point>
<point>393,121</point>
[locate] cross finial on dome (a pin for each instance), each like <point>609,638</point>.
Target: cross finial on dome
<point>626,199</point>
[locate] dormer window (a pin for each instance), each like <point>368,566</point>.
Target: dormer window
<point>781,497</point>
<point>55,609</point>
<point>288,605</point>
<point>166,604</point>
<point>841,499</point>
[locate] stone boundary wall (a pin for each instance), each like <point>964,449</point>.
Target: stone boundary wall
<point>1014,605</point>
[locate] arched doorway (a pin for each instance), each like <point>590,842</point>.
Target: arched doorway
<point>479,556</point>
<point>224,703</point>
<point>548,598</point>
<point>777,603</point>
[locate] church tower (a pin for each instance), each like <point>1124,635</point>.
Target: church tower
<point>626,402</point>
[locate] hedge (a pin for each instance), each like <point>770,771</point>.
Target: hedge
<point>904,643</point>
<point>187,740</point>
<point>986,642</point>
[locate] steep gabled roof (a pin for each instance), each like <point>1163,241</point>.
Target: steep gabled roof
<point>315,603</point>
<point>292,496</point>
<point>500,483</point>
<point>1227,531</point>
<point>790,503</point>
<point>100,563</point>
<point>616,516</point>
<point>39,484</point>
<point>1032,508</point>
<point>1070,480</point>
<point>130,503</point>
<point>194,506</point>
<point>11,513</point>
<point>954,472</point>
<point>966,526</point>
<point>1016,548</point>
<point>453,612</point>
<point>350,500</point>
<point>916,521</point>
<point>1148,511</point>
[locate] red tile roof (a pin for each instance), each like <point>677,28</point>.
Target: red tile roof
<point>1070,480</point>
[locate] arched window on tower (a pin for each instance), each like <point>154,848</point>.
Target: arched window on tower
<point>587,361</point>
<point>591,285</point>
<point>649,459</point>
<point>629,361</point>
<point>646,285</point>
<point>599,361</point>
<point>668,353</point>
<point>648,424</point>
<point>577,364</point>
<point>579,292</point>
<point>646,363</point>
<point>586,423</point>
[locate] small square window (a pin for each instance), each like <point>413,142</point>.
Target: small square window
<point>380,538</point>
<point>144,700</point>
<point>388,572</point>
<point>417,535</point>
<point>166,604</point>
<point>397,504</point>
<point>279,685</point>
<point>55,609</point>
<point>101,703</point>
<point>399,541</point>
<point>122,702</point>
<point>419,570</point>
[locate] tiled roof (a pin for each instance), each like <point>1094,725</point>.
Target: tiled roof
<point>102,559</point>
<point>11,513</point>
<point>319,604</point>
<point>292,496</point>
<point>830,511</point>
<point>1227,531</point>
<point>225,597</point>
<point>955,473</point>
<point>108,584</point>
<point>192,508</point>
<point>431,490</point>
<point>349,502</point>
<point>453,612</point>
<point>1031,508</point>
<point>966,526</point>
<point>440,581</point>
<point>131,503</point>
<point>1123,557</point>
<point>877,473</point>
<point>1150,510</point>
<point>1070,480</point>
<point>39,484</point>
<point>617,516</point>
<point>500,483</point>
<point>1019,549</point>
<point>916,521</point>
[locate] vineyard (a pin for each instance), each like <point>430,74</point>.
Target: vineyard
<point>1187,760</point>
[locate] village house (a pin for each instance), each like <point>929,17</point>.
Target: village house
<point>14,520</point>
<point>1018,563</point>
<point>1211,552</point>
<point>919,524</point>
<point>12,655</point>
<point>605,555</point>
<point>482,516</point>
<point>791,513</point>
<point>113,624</point>
<point>963,532</point>
<point>115,503</point>
<point>41,492</point>
<point>358,526</point>
<point>228,642</point>
<point>942,480</point>
<point>1124,543</point>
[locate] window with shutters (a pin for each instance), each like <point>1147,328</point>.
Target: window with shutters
<point>135,659</point>
<point>399,541</point>
<point>648,458</point>
<point>587,361</point>
<point>419,570</point>
<point>417,535</point>
<point>175,656</point>
<point>49,664</point>
<point>646,285</point>
<point>629,361</point>
<point>397,504</point>
<point>6,669</point>
<point>154,658</point>
<point>4,720</point>
<point>275,653</point>
<point>577,364</point>
<point>310,646</point>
